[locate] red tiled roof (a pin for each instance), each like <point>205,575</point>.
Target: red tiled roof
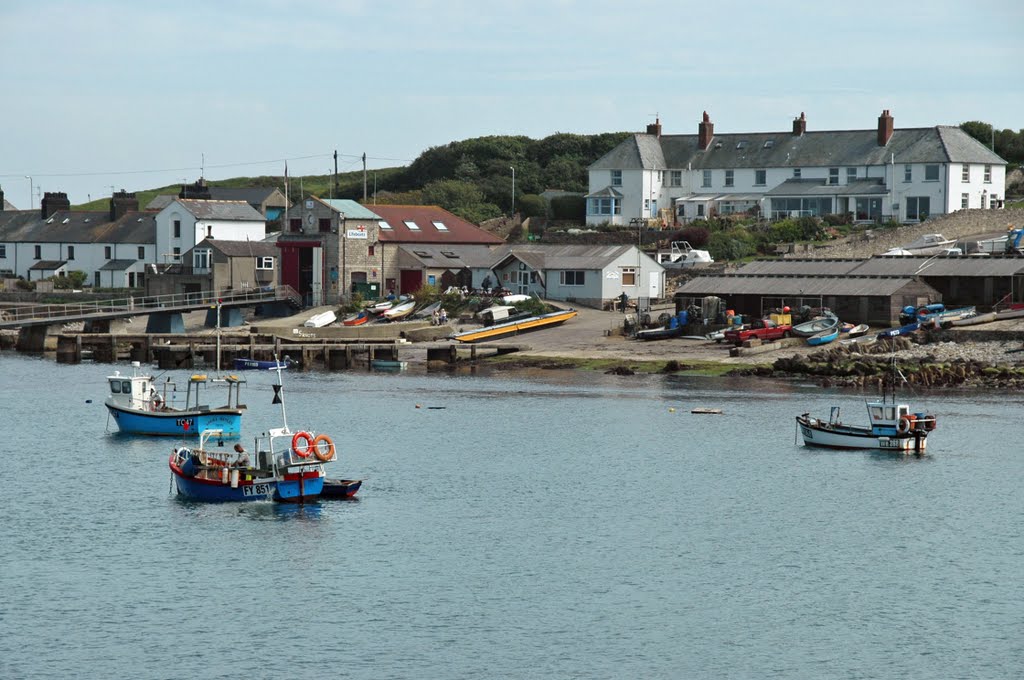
<point>459,230</point>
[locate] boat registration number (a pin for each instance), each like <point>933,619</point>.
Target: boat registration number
<point>256,490</point>
<point>888,443</point>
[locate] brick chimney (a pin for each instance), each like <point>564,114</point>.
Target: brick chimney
<point>54,201</point>
<point>654,128</point>
<point>197,189</point>
<point>1,200</point>
<point>799,125</point>
<point>121,203</point>
<point>884,128</point>
<point>705,132</point>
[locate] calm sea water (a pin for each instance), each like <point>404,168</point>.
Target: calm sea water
<point>562,525</point>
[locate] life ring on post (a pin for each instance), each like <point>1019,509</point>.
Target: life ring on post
<point>320,452</point>
<point>307,448</point>
<point>903,426</point>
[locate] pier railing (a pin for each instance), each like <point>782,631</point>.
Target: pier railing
<point>127,306</point>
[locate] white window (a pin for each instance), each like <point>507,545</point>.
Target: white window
<point>706,182</point>
<point>993,202</point>
<point>760,177</point>
<point>440,226</point>
<point>965,173</point>
<point>796,173</point>
<point>384,225</point>
<point>728,178</point>
<point>676,178</point>
<point>3,252</point>
<point>201,258</point>
<point>412,225</point>
<point>616,178</point>
<point>851,175</point>
<point>265,262</point>
<point>176,255</point>
<point>988,174</point>
<point>965,201</point>
<point>918,207</point>
<point>603,206</point>
<point>908,173</point>
<point>629,276</point>
<point>571,277</point>
<point>833,175</point>
<point>931,173</point>
<point>71,252</point>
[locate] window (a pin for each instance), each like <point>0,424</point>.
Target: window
<point>760,177</point>
<point>324,225</point>
<point>295,224</point>
<point>71,252</point>
<point>3,252</point>
<point>265,262</point>
<point>604,206</point>
<point>918,207</point>
<point>675,178</point>
<point>38,252</point>
<point>176,255</point>
<point>965,173</point>
<point>851,175</point>
<point>440,226</point>
<point>833,175</point>
<point>384,225</point>
<point>616,178</point>
<point>993,202</point>
<point>647,205</point>
<point>728,178</point>
<point>142,252</point>
<point>177,228</point>
<point>629,276</point>
<point>572,277</point>
<point>700,210</point>
<point>965,201</point>
<point>988,174</point>
<point>412,225</point>
<point>707,179</point>
<point>369,251</point>
<point>931,173</point>
<point>661,176</point>
<point>908,174</point>
<point>106,252</point>
<point>796,173</point>
<point>201,259</point>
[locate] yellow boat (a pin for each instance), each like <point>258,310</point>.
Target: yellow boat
<point>503,330</point>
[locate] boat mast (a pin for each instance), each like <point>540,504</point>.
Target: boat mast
<point>279,394</point>
<point>218,335</point>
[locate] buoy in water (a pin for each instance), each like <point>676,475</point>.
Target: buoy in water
<point>671,409</point>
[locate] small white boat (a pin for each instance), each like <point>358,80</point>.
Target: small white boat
<point>682,255</point>
<point>858,330</point>
<point>975,319</point>
<point>320,320</point>
<point>399,311</point>
<point>930,244</point>
<point>512,299</point>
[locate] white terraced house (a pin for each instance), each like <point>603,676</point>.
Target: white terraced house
<point>873,175</point>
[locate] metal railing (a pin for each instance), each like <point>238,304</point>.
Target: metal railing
<point>64,312</point>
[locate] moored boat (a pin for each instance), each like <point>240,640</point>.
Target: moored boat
<point>815,326</point>
<point>892,427</point>
<point>858,330</point>
<point>824,337</point>
<point>340,489</point>
<point>399,311</point>
<point>357,319</point>
<point>246,364</point>
<point>902,330</point>
<point>975,319</point>
<point>139,406</point>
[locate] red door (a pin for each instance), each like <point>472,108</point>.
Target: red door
<point>410,280</point>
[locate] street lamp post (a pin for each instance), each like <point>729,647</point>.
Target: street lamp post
<point>512,168</point>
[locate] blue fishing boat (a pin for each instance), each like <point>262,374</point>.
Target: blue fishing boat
<point>246,364</point>
<point>286,466</point>
<point>823,338</point>
<point>140,406</point>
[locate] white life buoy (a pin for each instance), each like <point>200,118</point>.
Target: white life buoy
<point>903,426</point>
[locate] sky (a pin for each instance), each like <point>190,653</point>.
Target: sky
<point>101,95</point>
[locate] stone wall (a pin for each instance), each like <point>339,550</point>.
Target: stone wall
<point>957,225</point>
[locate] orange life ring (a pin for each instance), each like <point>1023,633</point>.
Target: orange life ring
<point>304,451</point>
<point>904,425</point>
<point>320,453</point>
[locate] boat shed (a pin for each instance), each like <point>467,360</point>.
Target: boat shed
<point>875,300</point>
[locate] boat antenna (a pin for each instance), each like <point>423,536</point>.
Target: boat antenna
<point>279,394</point>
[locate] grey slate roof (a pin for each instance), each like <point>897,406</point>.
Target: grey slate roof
<point>221,210</point>
<point>939,144</point>
<point>564,256</point>
<point>251,195</point>
<point>440,256</point>
<point>801,267</point>
<point>242,248</point>
<point>48,265</point>
<point>794,285</point>
<point>881,265</point>
<point>607,192</point>
<point>820,187</point>
<point>117,265</point>
<point>160,202</point>
<point>77,226</point>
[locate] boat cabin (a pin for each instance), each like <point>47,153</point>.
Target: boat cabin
<point>885,416</point>
<point>141,393</point>
<point>133,392</point>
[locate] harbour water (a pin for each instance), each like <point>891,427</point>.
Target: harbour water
<point>557,525</point>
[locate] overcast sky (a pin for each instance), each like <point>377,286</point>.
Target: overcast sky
<point>140,94</point>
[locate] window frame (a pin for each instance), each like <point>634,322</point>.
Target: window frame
<point>851,175</point>
<point>675,178</point>
<point>965,173</point>
<point>908,173</point>
<point>833,176</point>
<point>631,273</point>
<point>730,178</point>
<point>262,263</point>
<point>988,174</point>
<point>142,253</point>
<point>578,277</point>
<point>929,169</point>
<point>965,201</point>
<point>760,178</point>
<point>616,178</point>
<point>71,253</point>
<point>705,179</point>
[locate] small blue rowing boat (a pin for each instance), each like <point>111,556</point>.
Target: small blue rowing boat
<point>824,337</point>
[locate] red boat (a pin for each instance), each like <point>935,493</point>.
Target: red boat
<point>357,319</point>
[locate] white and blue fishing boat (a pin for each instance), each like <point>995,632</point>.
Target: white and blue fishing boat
<point>286,466</point>
<point>247,364</point>
<point>140,406</point>
<point>892,427</point>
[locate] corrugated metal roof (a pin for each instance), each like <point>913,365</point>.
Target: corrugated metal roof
<point>939,144</point>
<point>352,210</point>
<point>794,285</point>
<point>957,265</point>
<point>801,267</point>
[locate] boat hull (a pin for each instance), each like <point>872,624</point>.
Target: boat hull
<point>340,488</point>
<point>258,365</point>
<point>177,423</point>
<point>810,328</point>
<point>516,327</point>
<point>824,435</point>
<point>823,338</point>
<point>299,487</point>
<point>215,491</point>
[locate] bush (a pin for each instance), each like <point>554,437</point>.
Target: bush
<point>569,208</point>
<point>734,244</point>
<point>531,205</point>
<point>695,236</point>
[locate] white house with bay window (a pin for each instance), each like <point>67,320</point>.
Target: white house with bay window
<point>872,174</point>
<point>185,222</point>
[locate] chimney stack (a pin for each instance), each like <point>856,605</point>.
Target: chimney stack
<point>705,132</point>
<point>54,201</point>
<point>1,199</point>
<point>799,125</point>
<point>884,128</point>
<point>121,203</point>
<point>654,128</point>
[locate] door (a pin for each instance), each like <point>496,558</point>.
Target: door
<point>523,285</point>
<point>654,285</point>
<point>410,281</point>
